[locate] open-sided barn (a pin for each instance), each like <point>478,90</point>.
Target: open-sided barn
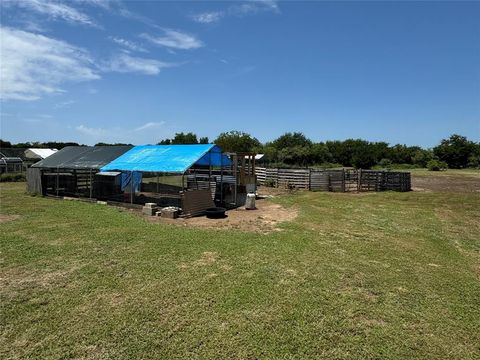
<point>71,171</point>
<point>162,174</point>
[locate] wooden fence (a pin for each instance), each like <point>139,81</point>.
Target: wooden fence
<point>334,180</point>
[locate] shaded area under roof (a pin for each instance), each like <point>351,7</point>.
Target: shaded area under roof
<point>168,158</point>
<point>13,152</point>
<point>82,157</point>
<point>10,160</point>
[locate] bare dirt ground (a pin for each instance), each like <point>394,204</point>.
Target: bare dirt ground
<point>264,219</point>
<point>446,183</point>
<point>268,214</point>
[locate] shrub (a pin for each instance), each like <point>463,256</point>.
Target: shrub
<point>12,177</point>
<point>436,165</point>
<point>385,163</point>
<point>474,161</point>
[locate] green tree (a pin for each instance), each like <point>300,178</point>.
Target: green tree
<point>353,152</point>
<point>421,157</point>
<point>203,140</point>
<point>436,165</point>
<point>289,140</point>
<point>455,151</point>
<point>236,141</point>
<point>402,154</point>
<point>114,144</point>
<point>270,153</point>
<point>182,138</point>
<point>5,144</point>
<point>320,154</point>
<point>296,155</point>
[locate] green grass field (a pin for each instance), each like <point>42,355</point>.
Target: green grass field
<point>378,275</point>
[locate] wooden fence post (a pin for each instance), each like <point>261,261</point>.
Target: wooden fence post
<point>310,180</point>
<point>359,180</point>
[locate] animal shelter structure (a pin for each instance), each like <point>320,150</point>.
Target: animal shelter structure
<point>71,171</point>
<point>185,176</point>
<point>11,160</point>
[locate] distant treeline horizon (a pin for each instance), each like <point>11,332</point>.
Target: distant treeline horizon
<point>294,149</point>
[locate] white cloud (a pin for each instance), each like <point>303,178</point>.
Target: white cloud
<point>124,63</point>
<point>33,65</point>
<point>250,7</point>
<point>56,11</point>
<point>175,39</point>
<point>63,104</point>
<point>128,44</point>
<point>254,7</point>
<point>104,4</point>
<point>150,125</point>
<point>208,17</point>
<point>92,132</point>
<point>149,132</point>
<point>271,5</point>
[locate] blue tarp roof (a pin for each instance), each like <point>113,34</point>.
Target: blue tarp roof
<point>168,158</point>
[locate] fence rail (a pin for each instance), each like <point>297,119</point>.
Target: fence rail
<point>334,180</point>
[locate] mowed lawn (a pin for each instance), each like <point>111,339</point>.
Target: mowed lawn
<point>378,275</point>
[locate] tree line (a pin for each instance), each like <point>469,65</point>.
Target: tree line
<point>294,149</point>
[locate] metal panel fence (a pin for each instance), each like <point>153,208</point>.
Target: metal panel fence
<point>334,180</point>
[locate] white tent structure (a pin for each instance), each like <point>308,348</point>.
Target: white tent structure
<point>39,154</point>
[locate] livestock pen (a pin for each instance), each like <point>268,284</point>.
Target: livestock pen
<point>344,180</point>
<point>168,175</point>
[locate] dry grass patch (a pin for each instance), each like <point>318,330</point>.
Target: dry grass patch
<point>5,218</point>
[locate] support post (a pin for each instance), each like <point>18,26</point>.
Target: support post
<point>210,171</point>
<point>157,183</point>
<point>235,169</point>
<point>131,187</point>
<point>91,184</point>
<point>309,179</point>
<point>75,182</point>
<point>57,183</point>
<point>359,183</point>
<point>221,179</point>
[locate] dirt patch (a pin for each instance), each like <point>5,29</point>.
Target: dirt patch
<point>6,218</point>
<point>207,258</point>
<point>447,183</point>
<point>15,280</point>
<point>264,219</point>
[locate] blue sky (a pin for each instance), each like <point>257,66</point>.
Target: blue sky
<point>90,71</point>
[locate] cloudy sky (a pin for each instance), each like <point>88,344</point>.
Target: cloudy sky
<point>137,72</point>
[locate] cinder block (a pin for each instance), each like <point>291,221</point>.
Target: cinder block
<point>151,205</point>
<point>150,211</point>
<point>170,214</point>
